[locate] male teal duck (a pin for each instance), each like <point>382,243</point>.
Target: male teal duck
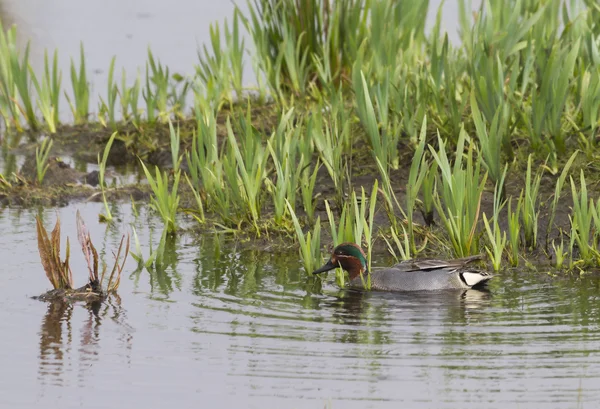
<point>409,275</point>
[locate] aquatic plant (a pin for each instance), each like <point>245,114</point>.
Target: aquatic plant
<point>343,231</point>
<point>283,149</point>
<point>496,237</point>
<point>310,243</point>
<point>557,192</point>
<point>329,140</point>
<point>582,221</point>
<point>308,181</point>
<point>401,244</point>
<point>102,174</point>
<point>108,107</point>
<point>41,159</point>
<point>221,68</point>
<point>459,199</point>
<point>363,225</point>
<point>416,176</point>
<point>514,230</point>
<point>91,257</point>
<point>492,140</point>
<point>58,272</point>
<point>175,139</point>
<point>529,209</point>
<point>245,172</point>
<point>165,201</point>
<point>156,257</point>
<point>81,90</point>
<point>9,107</point>
<point>48,91</point>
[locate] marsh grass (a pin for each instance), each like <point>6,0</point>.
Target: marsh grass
<point>245,168</point>
<point>459,200</point>
<point>42,154</point>
<point>529,208</point>
<point>363,79</point>
<point>48,92</point>
<point>96,279</point>
<point>81,90</point>
<point>582,221</point>
<point>108,108</point>
<point>496,237</point>
<point>102,174</point>
<point>310,243</point>
<point>155,260</point>
<point>165,200</point>
<point>514,231</point>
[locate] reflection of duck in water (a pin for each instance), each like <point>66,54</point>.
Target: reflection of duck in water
<point>409,275</point>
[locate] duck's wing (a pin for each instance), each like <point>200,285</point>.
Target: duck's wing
<point>427,264</point>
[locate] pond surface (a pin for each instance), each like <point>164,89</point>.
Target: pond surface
<point>237,328</point>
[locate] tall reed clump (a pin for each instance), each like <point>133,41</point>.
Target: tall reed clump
<point>458,200</point>
<point>283,149</point>
<point>220,70</point>
<point>245,168</point>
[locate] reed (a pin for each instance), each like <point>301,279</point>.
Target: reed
<point>459,198</point>
<point>41,159</point>
<point>101,176</point>
<point>514,231</point>
<point>108,107</point>
<point>81,90</point>
<point>496,237</point>
<point>9,106</point>
<point>165,201</point>
<point>49,91</point>
<point>582,221</point>
<point>310,243</point>
<point>245,168</point>
<point>529,208</point>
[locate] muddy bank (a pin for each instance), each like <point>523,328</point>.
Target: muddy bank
<point>64,184</point>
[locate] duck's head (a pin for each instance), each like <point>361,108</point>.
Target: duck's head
<point>349,257</point>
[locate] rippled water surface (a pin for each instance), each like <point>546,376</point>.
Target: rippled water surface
<point>225,326</point>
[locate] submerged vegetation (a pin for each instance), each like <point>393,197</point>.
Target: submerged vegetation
<point>353,97</point>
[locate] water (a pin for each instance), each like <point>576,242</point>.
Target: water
<point>231,327</point>
<point>227,327</point>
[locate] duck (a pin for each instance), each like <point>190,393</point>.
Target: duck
<point>408,275</point>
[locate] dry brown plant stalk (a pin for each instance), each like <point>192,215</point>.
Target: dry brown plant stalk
<point>58,272</point>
